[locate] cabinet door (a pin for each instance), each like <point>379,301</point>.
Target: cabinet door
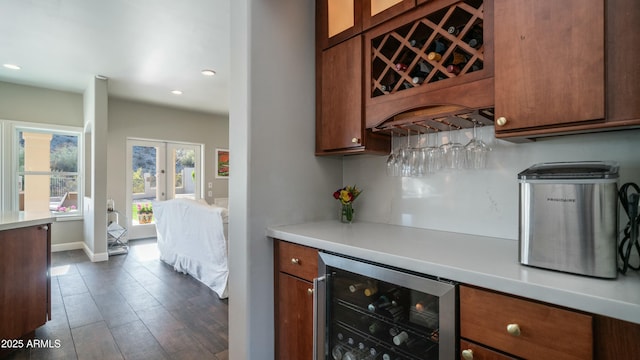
<point>378,11</point>
<point>338,20</point>
<point>24,280</point>
<point>295,318</point>
<point>340,125</point>
<point>549,62</point>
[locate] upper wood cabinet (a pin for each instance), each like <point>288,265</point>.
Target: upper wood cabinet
<point>549,63</point>
<point>339,123</point>
<point>375,12</point>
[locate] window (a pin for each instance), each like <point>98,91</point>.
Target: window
<point>48,170</point>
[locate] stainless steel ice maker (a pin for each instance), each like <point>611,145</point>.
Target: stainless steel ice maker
<point>569,217</point>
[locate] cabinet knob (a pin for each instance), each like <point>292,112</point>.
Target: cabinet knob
<point>355,140</point>
<point>467,354</point>
<point>295,261</point>
<point>513,329</point>
<point>501,121</point>
<point>44,227</point>
<point>310,291</point>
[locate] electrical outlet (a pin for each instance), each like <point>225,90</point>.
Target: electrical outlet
<point>210,185</point>
<point>210,193</point>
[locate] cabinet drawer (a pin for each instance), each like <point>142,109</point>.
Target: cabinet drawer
<point>545,332</point>
<point>470,350</point>
<point>298,260</point>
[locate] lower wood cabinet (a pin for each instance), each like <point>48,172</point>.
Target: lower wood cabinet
<point>496,326</point>
<point>25,282</point>
<point>524,328</point>
<point>296,266</point>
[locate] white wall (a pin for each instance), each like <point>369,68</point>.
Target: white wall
<point>95,199</point>
<point>128,119</point>
<point>481,202</point>
<point>275,179</point>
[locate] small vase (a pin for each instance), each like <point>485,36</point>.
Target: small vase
<point>346,213</point>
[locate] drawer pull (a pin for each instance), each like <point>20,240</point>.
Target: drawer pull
<point>513,329</point>
<point>310,291</point>
<point>501,121</point>
<point>467,354</point>
<point>295,261</point>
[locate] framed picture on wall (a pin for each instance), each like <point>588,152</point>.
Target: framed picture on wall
<point>222,163</point>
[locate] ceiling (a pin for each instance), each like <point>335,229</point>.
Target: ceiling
<point>146,48</point>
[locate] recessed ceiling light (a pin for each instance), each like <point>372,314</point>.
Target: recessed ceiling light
<point>176,92</point>
<point>207,72</point>
<point>11,66</point>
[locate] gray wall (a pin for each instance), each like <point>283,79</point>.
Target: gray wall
<point>128,119</point>
<point>276,179</point>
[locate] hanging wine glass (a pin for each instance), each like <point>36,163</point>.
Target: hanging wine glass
<point>476,151</point>
<point>391,160</point>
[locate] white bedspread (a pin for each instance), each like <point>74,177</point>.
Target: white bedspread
<point>191,238</point>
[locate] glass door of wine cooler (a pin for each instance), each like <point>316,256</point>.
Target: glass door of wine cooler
<point>367,311</point>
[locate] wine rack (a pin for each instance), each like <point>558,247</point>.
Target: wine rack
<point>442,45</point>
<point>368,332</point>
<point>430,67</point>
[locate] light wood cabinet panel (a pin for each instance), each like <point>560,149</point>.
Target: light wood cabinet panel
<point>549,63</point>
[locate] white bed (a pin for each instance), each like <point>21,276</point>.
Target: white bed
<point>192,238</point>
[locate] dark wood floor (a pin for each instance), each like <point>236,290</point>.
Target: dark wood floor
<point>131,307</point>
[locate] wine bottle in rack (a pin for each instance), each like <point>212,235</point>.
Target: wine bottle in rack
<point>381,302</point>
<point>356,353</point>
<point>340,348</point>
<point>454,30</point>
<point>372,286</point>
<point>357,286</point>
<point>375,328</point>
<point>404,59</point>
<point>387,83</point>
<point>403,338</point>
<point>422,69</point>
<point>474,37</point>
<point>417,43</point>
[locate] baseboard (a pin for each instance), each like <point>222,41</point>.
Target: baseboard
<point>78,245</point>
<point>95,257</point>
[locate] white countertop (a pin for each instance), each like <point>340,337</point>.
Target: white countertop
<point>18,219</point>
<point>487,262</point>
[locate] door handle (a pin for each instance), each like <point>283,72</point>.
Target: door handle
<point>319,310</point>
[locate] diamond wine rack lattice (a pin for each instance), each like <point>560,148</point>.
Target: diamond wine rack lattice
<point>445,44</point>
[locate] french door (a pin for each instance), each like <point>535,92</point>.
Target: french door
<point>157,171</point>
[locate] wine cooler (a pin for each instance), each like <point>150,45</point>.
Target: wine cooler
<point>368,311</point>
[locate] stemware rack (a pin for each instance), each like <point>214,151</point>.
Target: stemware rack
<point>422,121</point>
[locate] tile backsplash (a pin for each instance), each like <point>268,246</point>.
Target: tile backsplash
<point>481,202</point>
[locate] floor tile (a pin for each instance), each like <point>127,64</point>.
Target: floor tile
<point>133,306</point>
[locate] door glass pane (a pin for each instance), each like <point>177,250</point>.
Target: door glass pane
<point>184,179</point>
<point>144,189</point>
<point>378,6</point>
<point>341,16</point>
